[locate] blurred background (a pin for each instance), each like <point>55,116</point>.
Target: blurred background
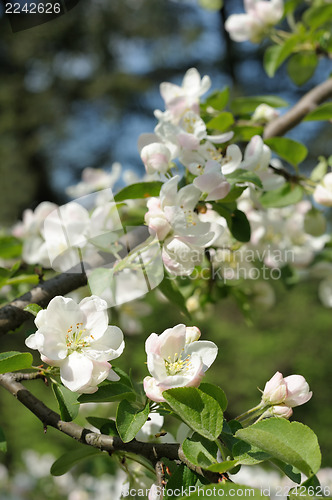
<point>77,92</point>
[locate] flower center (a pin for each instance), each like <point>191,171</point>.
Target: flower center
<point>177,365</point>
<point>76,338</point>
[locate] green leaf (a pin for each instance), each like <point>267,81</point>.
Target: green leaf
<point>211,4</point>
<point>112,391</point>
<point>302,66</point>
<point>223,466</point>
<point>288,194</point>
<point>290,442</point>
<point>139,190</point>
<point>322,112</point>
<point>292,472</point>
<point>169,288</point>
<point>13,360</point>
<point>247,454</point>
<point>309,490</point>
<point>33,309</point>
<point>67,401</point>
<point>242,175</point>
<point>320,170</point>
<point>221,122</point>
<point>318,16</point>
<point>105,425</point>
<point>275,55</point>
<point>215,392</point>
<point>217,100</point>
<point>234,194</point>
<point>197,409</point>
<point>182,477</point>
<point>292,151</point>
<point>245,105</point>
<point>225,490</point>
<point>10,247</point>
<point>68,460</point>
<point>200,451</point>
<point>3,443</point>
<point>246,132</point>
<point>239,226</point>
<point>130,419</point>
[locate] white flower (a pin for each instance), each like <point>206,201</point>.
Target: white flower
<point>264,113</point>
<point>323,192</point>
<point>178,99</point>
<point>77,339</point>
<point>156,158</point>
<point>259,18</point>
<point>175,359</point>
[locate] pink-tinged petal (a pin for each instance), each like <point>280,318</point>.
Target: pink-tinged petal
<point>192,334</point>
<point>172,341</point>
<point>94,311</point>
<point>190,376</point>
<point>207,351</point>
<point>188,141</point>
<point>109,346</point>
<point>112,376</point>
<point>152,344</point>
<point>220,192</point>
<point>275,390</point>
<point>76,371</point>
<point>298,391</point>
<point>152,390</point>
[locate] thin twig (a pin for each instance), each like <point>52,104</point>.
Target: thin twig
<point>279,126</point>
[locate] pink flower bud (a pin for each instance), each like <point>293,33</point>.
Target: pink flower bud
<point>298,391</point>
<point>275,390</point>
<point>282,411</point>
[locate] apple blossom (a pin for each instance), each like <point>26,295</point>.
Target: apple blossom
<point>178,99</point>
<point>254,25</point>
<point>95,179</point>
<point>323,192</point>
<point>176,359</point>
<point>77,339</point>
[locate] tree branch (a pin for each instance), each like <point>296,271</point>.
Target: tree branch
<point>154,452</point>
<point>295,115</point>
<point>12,315</point>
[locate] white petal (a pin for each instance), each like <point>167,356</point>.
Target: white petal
<point>109,346</point>
<point>94,310</point>
<point>205,349</point>
<point>76,371</point>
